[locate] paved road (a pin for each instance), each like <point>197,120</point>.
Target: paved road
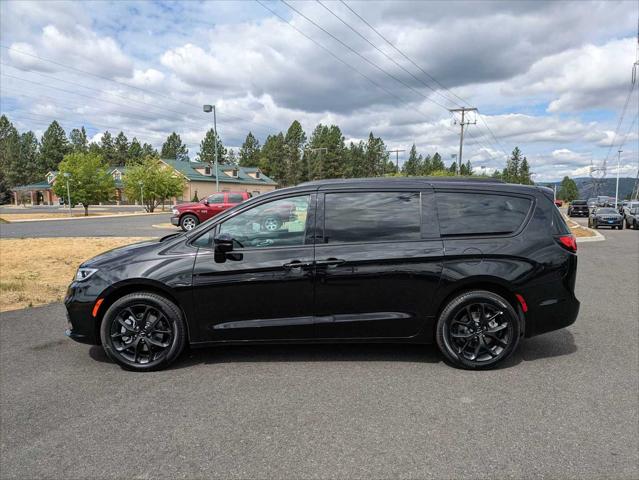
<point>8,209</point>
<point>136,226</point>
<point>565,406</point>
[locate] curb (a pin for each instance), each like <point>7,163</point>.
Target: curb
<point>94,217</point>
<point>598,237</point>
<point>166,226</point>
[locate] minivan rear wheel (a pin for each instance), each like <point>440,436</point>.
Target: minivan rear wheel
<point>143,331</point>
<point>477,330</point>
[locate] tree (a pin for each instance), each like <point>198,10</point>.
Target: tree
<point>511,173</point>
<point>326,152</point>
<point>466,169</point>
<point>121,150</point>
<point>524,173</point>
<point>149,151</point>
<point>453,168</point>
<point>568,190</point>
<point>437,164</point>
<point>29,168</point>
<point>135,153</point>
<point>207,149</point>
<point>174,149</point>
<point>426,166</point>
<point>294,140</point>
<point>53,146</point>
<point>272,159</point>
<point>107,148</point>
<point>9,155</point>
<point>152,180</point>
<point>79,141</point>
<point>412,166</point>
<point>231,157</point>
<point>88,177</point>
<point>250,152</point>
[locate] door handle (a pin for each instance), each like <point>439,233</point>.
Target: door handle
<point>330,262</point>
<point>297,264</point>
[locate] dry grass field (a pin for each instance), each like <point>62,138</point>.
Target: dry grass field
<point>37,271</point>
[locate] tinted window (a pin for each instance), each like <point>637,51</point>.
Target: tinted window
<point>273,224</point>
<point>236,198</point>
<point>480,214</point>
<point>579,202</point>
<point>370,217</point>
<point>216,198</point>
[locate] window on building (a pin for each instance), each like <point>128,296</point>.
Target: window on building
<point>371,217</point>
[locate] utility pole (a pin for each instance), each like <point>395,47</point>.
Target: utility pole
<point>618,167</point>
<point>66,176</point>
<point>209,109</point>
<point>463,123</point>
<point>396,152</point>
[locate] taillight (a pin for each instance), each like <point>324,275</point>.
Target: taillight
<point>569,242</point>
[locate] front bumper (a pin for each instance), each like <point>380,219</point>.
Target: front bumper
<point>82,327</point>
<point>175,220</point>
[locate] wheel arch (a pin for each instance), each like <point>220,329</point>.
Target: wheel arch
<point>490,284</point>
<point>137,285</point>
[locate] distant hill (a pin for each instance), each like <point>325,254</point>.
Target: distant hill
<point>584,184</point>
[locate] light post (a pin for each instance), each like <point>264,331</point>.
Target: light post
<point>141,183</point>
<point>209,109</point>
<point>66,176</point>
<point>618,167</point>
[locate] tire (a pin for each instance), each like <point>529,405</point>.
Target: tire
<point>145,349</point>
<point>188,222</point>
<point>460,337</point>
<point>271,224</point>
<point>621,226</point>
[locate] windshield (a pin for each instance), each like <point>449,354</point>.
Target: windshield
<point>606,211</point>
<point>579,202</point>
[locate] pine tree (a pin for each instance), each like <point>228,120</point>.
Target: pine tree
<point>453,168</point>
<point>272,157</point>
<point>426,167</point>
<point>135,153</point>
<point>355,160</point>
<point>53,146</point>
<point>121,148</point>
<point>511,173</point>
<point>174,149</point>
<point>79,141</point>
<point>375,157</point>
<point>207,149</point>
<point>250,152</point>
<point>437,164</point>
<point>9,157</point>
<point>294,140</point>
<point>524,173</point>
<point>149,151</point>
<point>30,168</point>
<point>412,166</point>
<point>326,152</point>
<point>107,148</point>
<point>231,157</point>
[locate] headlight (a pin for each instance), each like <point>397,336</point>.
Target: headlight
<point>174,211</point>
<point>84,273</point>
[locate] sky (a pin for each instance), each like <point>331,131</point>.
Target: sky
<point>549,77</point>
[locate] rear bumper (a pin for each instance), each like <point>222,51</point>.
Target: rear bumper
<point>553,314</point>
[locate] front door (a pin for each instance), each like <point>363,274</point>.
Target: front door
<point>264,288</point>
<point>216,204</point>
<point>378,262</point>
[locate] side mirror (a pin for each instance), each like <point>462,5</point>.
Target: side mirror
<point>223,243</point>
<point>205,201</point>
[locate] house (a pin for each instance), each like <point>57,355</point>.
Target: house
<point>199,177</point>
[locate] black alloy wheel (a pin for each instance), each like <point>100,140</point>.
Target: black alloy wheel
<point>143,331</point>
<point>478,330</point>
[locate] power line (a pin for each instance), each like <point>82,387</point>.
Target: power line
<point>388,56</point>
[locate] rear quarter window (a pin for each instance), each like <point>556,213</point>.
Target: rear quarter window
<point>480,213</point>
<point>236,198</point>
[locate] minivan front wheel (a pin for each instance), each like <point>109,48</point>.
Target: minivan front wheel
<point>143,331</point>
<point>477,330</point>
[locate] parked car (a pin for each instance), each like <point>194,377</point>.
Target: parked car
<point>559,203</point>
<point>605,201</point>
<point>190,215</point>
<point>578,208</point>
<point>632,218</point>
<point>629,206</point>
<point>470,265</point>
<point>592,202</point>
<point>605,217</point>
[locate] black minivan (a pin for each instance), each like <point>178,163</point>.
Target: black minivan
<point>470,265</point>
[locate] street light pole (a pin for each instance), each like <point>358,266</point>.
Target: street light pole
<point>618,167</point>
<point>66,176</point>
<point>209,109</point>
<point>141,183</point>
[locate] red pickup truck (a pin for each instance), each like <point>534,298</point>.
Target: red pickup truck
<point>189,215</point>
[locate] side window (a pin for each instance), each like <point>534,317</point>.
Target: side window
<point>480,214</point>
<point>371,216</point>
<point>273,224</point>
<point>216,198</point>
<point>236,198</point>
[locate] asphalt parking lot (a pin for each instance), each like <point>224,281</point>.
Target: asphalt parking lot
<point>134,226</point>
<point>565,406</point>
